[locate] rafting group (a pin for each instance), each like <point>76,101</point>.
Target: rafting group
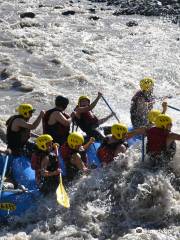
<point>153,124</point>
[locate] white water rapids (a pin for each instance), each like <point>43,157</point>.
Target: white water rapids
<point>73,55</point>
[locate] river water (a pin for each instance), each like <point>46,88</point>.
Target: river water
<point>75,55</point>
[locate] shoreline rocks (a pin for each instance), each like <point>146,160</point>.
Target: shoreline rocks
<point>144,7</point>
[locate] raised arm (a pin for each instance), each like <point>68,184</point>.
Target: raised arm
<point>164,106</point>
<point>88,144</point>
<point>30,126</point>
<point>91,106</point>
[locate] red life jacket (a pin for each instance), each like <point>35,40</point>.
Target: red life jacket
<point>106,155</point>
<point>87,121</point>
<point>58,131</point>
<point>67,153</point>
<point>156,140</point>
<point>106,150</point>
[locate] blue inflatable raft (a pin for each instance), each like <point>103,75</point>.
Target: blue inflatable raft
<point>16,202</point>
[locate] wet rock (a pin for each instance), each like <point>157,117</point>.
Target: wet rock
<point>56,61</point>
<point>58,7</point>
<point>132,23</point>
<point>86,51</point>
<point>27,15</point>
<point>144,7</point>
<point>92,10</point>
<point>95,18</point>
<point>4,74</point>
<point>69,12</point>
<point>25,89</point>
<point>16,84</point>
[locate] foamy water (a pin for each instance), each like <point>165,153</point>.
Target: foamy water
<point>73,55</point>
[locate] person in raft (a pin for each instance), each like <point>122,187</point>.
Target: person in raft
<point>56,121</point>
<point>142,102</point>
<point>154,113</point>
<point>19,128</point>
<point>45,162</point>
<point>87,120</point>
<point>114,143</point>
<point>74,154</point>
<point>160,146</point>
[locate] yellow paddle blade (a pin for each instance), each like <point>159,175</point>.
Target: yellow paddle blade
<point>62,197</point>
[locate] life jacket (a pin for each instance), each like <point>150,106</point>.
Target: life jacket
<point>58,131</point>
<point>106,150</point>
<point>87,121</point>
<point>156,140</point>
<point>46,184</point>
<point>36,160</point>
<point>53,163</point>
<point>16,140</point>
<point>67,153</point>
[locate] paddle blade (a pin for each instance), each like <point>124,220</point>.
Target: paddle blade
<point>62,197</point>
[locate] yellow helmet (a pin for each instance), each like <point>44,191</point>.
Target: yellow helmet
<point>42,140</point>
<point>83,98</point>
<point>119,130</point>
<point>152,115</point>
<point>162,121</point>
<point>25,109</point>
<point>146,84</point>
<point>75,139</point>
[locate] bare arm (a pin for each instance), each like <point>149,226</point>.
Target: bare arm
<point>44,170</point>
<point>91,106</point>
<point>21,123</point>
<point>61,119</point>
<point>138,131</point>
<point>164,106</point>
<point>174,136</point>
<point>103,120</point>
<point>88,144</point>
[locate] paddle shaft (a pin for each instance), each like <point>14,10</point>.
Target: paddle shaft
<point>143,148</point>
<point>174,108</point>
<point>110,108</point>
<point>3,175</point>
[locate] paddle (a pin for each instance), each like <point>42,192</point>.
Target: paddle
<point>173,108</point>
<point>143,148</point>
<point>3,174</point>
<point>110,108</point>
<point>62,197</point>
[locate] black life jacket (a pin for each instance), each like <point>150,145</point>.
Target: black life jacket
<point>58,131</point>
<point>87,121</point>
<point>16,140</point>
